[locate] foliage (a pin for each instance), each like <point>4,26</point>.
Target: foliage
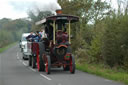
<point>115,41</point>
<point>106,72</point>
<point>87,10</point>
<point>11,30</point>
<point>101,36</point>
<point>6,47</point>
<point>34,18</point>
<point>6,38</point>
<point>41,15</point>
<point>3,22</point>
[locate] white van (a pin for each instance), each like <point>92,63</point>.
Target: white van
<point>25,46</point>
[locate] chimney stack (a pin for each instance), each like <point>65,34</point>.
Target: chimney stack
<point>59,11</point>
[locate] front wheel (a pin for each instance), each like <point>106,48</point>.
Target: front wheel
<point>48,64</point>
<point>72,64</point>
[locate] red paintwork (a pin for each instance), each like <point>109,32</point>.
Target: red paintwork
<point>71,68</point>
<point>46,66</point>
<point>38,64</point>
<point>62,46</point>
<point>68,54</point>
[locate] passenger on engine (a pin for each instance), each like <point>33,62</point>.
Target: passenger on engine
<point>43,34</point>
<point>37,37</point>
<point>30,37</point>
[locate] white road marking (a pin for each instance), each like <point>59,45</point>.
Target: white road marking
<point>45,77</point>
<point>18,56</point>
<point>32,69</point>
<point>24,63</point>
<point>59,84</point>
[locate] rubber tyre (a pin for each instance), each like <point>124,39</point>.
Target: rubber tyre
<point>33,62</point>
<point>21,49</point>
<point>72,65</point>
<point>30,61</point>
<point>40,64</point>
<point>24,57</point>
<point>48,65</point>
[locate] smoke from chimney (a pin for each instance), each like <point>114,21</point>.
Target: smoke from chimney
<point>44,5</point>
<point>24,6</point>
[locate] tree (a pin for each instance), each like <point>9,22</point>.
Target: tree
<point>41,15</point>
<point>11,30</point>
<point>4,21</point>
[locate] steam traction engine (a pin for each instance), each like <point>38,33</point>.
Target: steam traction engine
<point>55,50</point>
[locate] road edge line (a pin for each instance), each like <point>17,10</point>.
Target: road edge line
<point>45,77</point>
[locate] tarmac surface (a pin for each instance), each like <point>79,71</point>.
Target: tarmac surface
<point>15,71</point>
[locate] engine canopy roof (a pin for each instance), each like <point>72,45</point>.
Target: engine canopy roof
<point>63,18</point>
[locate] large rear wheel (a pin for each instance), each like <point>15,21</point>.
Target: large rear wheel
<point>72,64</point>
<point>40,63</point>
<point>48,64</point>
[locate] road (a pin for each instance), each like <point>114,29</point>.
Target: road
<point>15,71</point>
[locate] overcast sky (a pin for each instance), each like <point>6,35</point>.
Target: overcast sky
<point>18,8</point>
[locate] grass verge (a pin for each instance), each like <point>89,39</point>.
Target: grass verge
<point>6,47</point>
<point>99,70</point>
